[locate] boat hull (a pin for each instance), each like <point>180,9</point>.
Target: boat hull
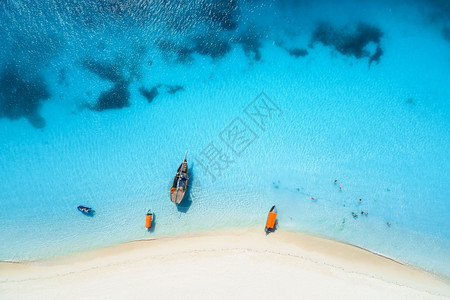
<point>177,196</point>
<point>180,183</point>
<point>271,220</point>
<point>86,210</point>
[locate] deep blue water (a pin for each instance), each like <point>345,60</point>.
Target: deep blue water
<point>274,101</point>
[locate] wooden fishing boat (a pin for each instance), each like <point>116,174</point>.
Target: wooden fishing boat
<point>180,182</point>
<point>271,220</point>
<point>149,219</point>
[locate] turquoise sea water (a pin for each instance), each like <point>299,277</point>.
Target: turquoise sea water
<point>274,100</point>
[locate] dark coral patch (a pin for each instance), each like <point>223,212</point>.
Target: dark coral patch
<point>207,44</point>
<point>297,52</point>
<point>376,56</point>
<point>149,94</point>
<point>350,40</point>
<point>211,45</point>
<point>250,40</point>
<point>181,54</point>
<point>172,89</point>
<point>446,33</point>
<point>103,70</point>
<point>115,98</point>
<point>410,101</point>
<point>21,96</point>
<point>438,10</point>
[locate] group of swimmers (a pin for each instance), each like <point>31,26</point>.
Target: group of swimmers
<point>355,215</point>
<point>340,186</point>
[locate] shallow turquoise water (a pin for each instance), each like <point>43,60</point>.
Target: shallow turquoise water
<point>381,129</point>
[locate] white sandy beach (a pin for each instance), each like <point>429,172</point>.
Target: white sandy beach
<point>232,264</point>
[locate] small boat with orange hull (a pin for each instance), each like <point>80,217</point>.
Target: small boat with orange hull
<point>271,220</point>
<point>180,182</point>
<point>149,219</point>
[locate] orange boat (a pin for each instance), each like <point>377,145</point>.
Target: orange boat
<point>271,220</point>
<point>149,219</point>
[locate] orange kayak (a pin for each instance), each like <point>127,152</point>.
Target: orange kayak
<point>149,219</point>
<point>271,220</point>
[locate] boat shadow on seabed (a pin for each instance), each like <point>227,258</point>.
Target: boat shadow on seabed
<point>271,230</point>
<point>154,223</point>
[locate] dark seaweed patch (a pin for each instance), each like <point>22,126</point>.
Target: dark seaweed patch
<point>115,98</point>
<point>446,33</point>
<point>21,97</point>
<point>440,12</point>
<point>297,52</point>
<point>172,89</point>
<point>350,41</point>
<point>250,40</point>
<point>149,94</point>
<point>182,54</point>
<point>208,44</point>
<point>410,101</point>
<point>103,70</point>
<point>223,13</point>
<point>211,45</point>
<point>376,56</point>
